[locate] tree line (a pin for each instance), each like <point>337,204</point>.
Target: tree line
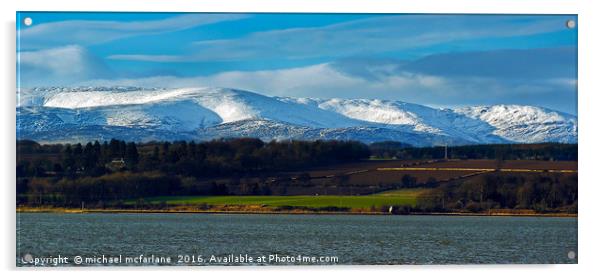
<point>67,174</point>
<point>539,151</point>
<point>205,159</point>
<point>541,192</point>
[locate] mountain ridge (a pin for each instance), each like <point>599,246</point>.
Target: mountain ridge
<point>64,114</point>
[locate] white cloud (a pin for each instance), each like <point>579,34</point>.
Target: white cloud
<point>310,81</point>
<point>73,65</point>
<point>88,32</point>
<point>365,36</point>
<point>62,65</point>
<point>326,81</point>
<point>322,80</point>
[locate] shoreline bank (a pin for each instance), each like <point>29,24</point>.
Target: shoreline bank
<point>273,211</point>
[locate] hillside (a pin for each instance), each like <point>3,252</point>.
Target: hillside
<point>143,114</point>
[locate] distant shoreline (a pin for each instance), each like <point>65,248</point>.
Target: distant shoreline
<point>273,211</point>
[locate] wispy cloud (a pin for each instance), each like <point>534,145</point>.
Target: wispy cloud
<point>444,80</point>
<point>147,58</point>
<point>534,63</point>
<point>328,81</point>
<point>89,32</point>
<point>365,37</point>
<point>59,66</point>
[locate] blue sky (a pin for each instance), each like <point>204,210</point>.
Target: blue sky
<point>437,60</point>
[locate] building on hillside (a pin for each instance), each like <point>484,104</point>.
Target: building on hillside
<point>116,164</point>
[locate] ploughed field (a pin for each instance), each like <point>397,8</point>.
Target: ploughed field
<point>513,164</point>
<point>368,173</point>
<point>390,177</point>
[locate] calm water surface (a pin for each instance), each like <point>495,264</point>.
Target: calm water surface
<point>353,239</point>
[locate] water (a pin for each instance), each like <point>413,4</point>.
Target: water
<point>351,239</point>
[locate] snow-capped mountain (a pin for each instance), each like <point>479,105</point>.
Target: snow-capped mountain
<point>525,123</point>
<point>139,114</point>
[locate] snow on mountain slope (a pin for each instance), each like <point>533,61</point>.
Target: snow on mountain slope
<point>407,117</point>
<point>526,123</point>
<point>229,104</point>
<point>270,130</point>
<point>235,105</point>
<point>182,115</point>
<point>377,111</point>
<point>176,116</point>
<point>83,97</point>
<point>67,114</point>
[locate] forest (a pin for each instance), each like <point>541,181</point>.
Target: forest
<point>542,193</point>
<point>207,159</point>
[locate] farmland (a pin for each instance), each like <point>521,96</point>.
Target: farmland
<point>249,175</point>
<point>359,191</point>
<point>372,176</point>
<point>510,164</point>
<point>398,197</point>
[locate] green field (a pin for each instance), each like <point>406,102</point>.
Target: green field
<point>397,197</point>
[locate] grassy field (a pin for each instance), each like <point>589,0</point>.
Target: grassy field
<point>397,197</point>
